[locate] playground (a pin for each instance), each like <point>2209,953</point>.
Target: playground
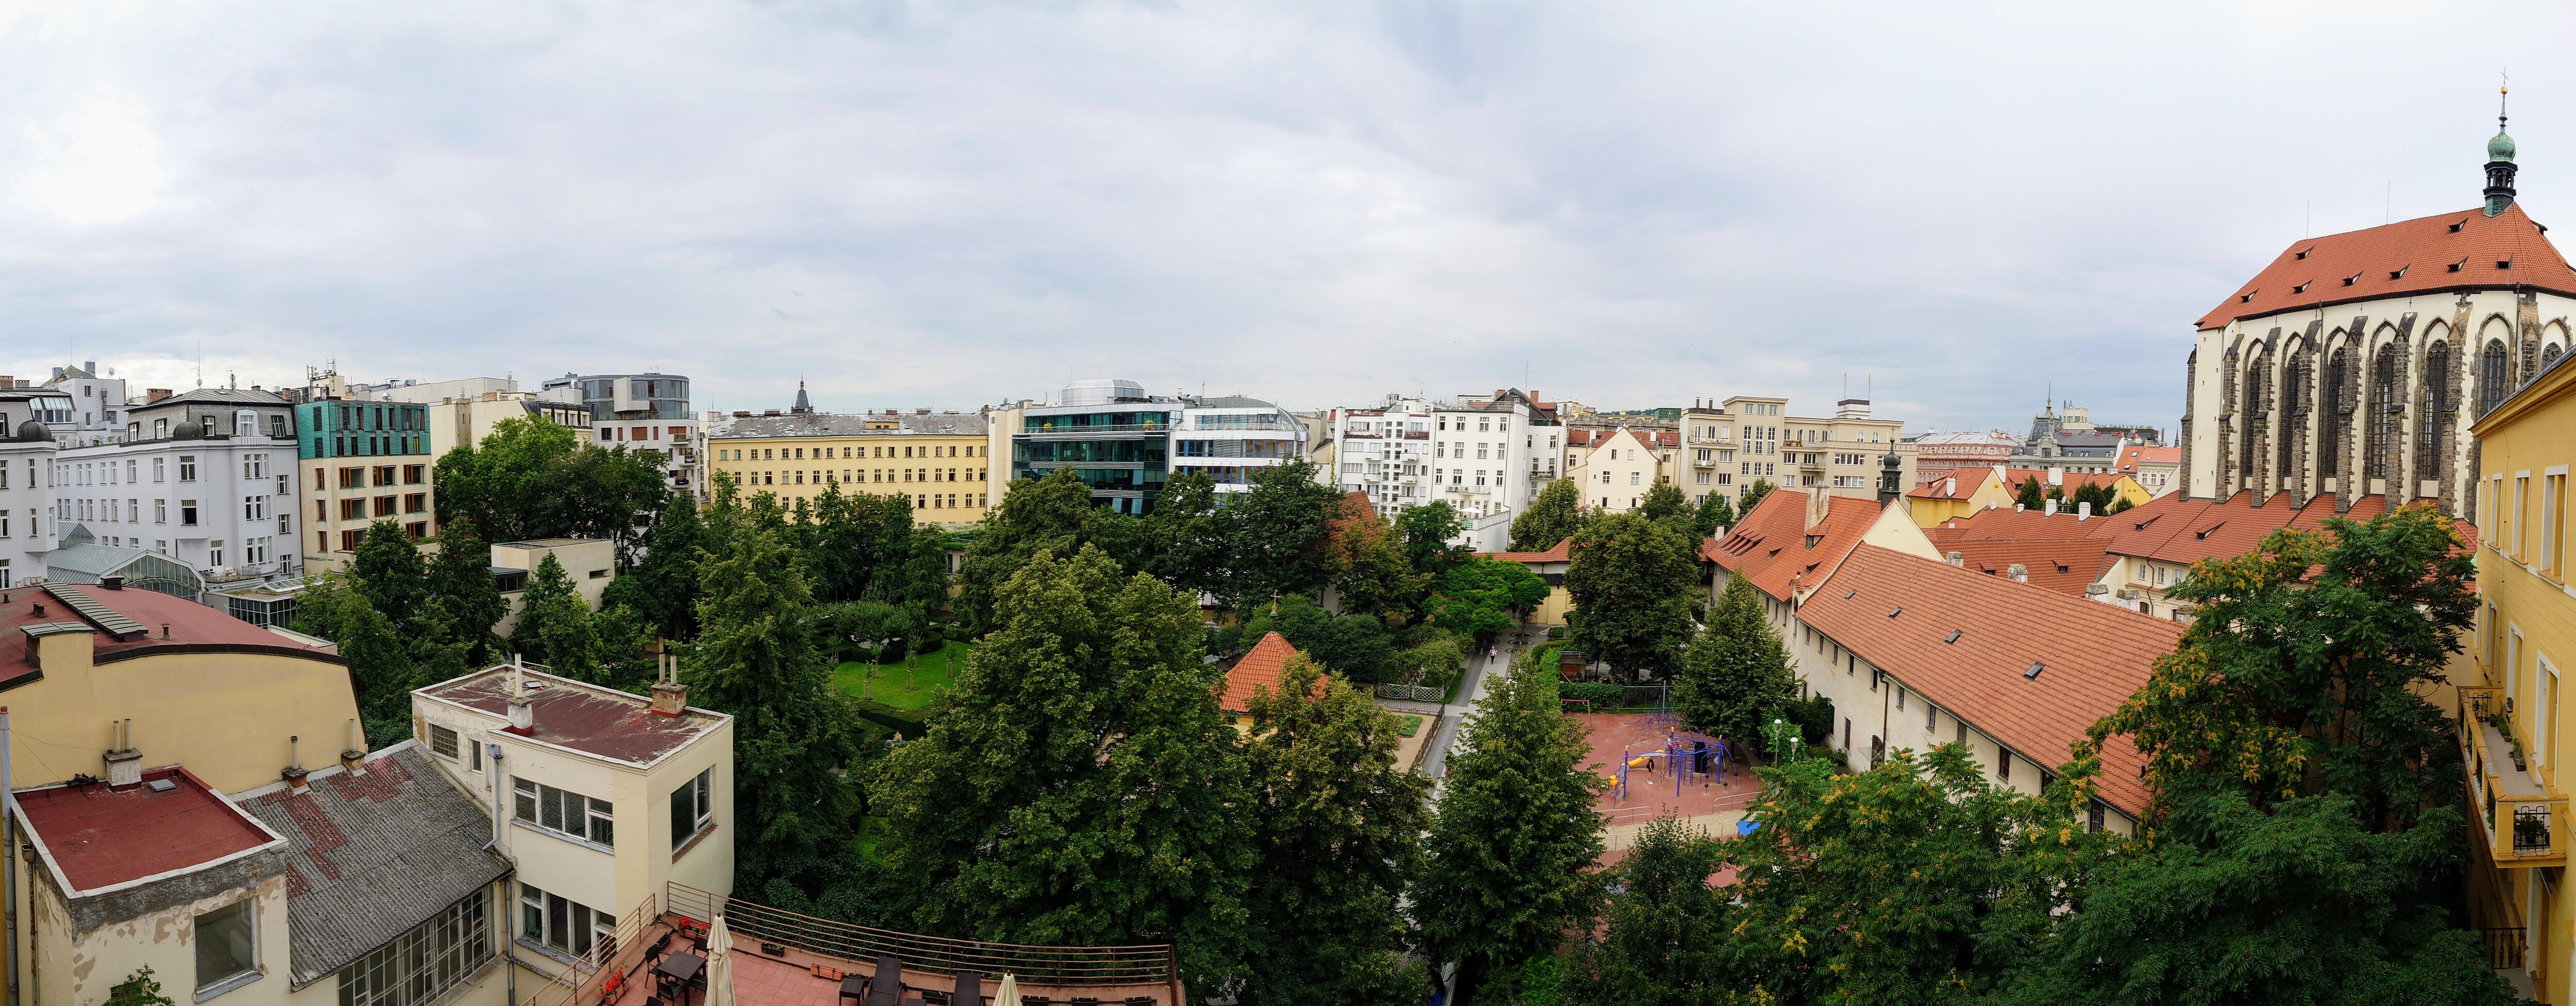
<point>1667,771</point>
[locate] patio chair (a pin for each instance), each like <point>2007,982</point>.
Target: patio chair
<point>970,989</point>
<point>886,989</point>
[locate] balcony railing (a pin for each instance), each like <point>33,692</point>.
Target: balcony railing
<point>1152,968</point>
<point>2525,825</point>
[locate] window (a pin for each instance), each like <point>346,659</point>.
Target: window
<point>415,474</point>
<point>188,512</point>
<point>2553,512</point>
<point>353,478</point>
<point>254,508</point>
<point>2521,510</point>
<point>227,947</point>
<point>693,808</point>
<point>384,475</point>
<point>422,964</point>
<point>558,922</point>
<point>563,812</point>
<point>254,551</point>
<point>442,741</point>
<point>254,466</point>
<point>215,552</point>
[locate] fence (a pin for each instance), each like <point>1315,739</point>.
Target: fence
<point>1417,693</point>
<point>1130,965</point>
<point>2504,947</point>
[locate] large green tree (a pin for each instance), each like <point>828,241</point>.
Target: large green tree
<point>1053,514</point>
<point>1184,540</point>
<point>1275,531</point>
<point>1477,598</point>
<point>533,479</point>
<point>462,576</point>
<point>1080,785</point>
<point>1714,513</point>
<point>1337,824</point>
<point>1753,495</point>
<point>1426,529</point>
<point>1552,517</point>
<point>1664,939</point>
<point>1632,581</point>
<point>1510,850</point>
<point>1375,575</point>
<point>1665,502</point>
<point>796,749</point>
<point>2305,667</point>
<point>388,569</point>
<point>554,623</point>
<point>1737,671</point>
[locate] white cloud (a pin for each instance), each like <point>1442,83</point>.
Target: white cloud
<point>99,164</point>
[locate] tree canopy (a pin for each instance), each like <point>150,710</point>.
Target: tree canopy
<point>1632,580</point>
<point>531,479</point>
<point>1553,516</point>
<point>1053,514</point>
<point>1477,598</point>
<point>1735,673</point>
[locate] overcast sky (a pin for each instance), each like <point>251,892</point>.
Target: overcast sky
<point>909,204</point>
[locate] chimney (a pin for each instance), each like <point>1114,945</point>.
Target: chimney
<point>921,412</point>
<point>670,697</point>
<point>1817,508</point>
<point>294,774</point>
<point>355,758</point>
<point>151,395</point>
<point>2057,476</point>
<point>112,582</point>
<point>1950,487</point>
<point>124,763</point>
<point>523,714</point>
<point>2083,511</point>
<point>1956,559</point>
<point>2018,572</point>
<point>2052,508</point>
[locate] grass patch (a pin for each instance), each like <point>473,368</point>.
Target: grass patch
<point>1407,726</point>
<point>910,685</point>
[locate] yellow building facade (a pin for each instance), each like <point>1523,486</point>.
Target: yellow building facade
<point>2515,722</point>
<point>940,460</point>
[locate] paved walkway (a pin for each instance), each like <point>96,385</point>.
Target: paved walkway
<point>1456,713</point>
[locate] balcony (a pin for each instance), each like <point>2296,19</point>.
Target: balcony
<point>2523,822</point>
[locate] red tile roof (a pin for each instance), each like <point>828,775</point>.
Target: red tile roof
<point>1956,484</point>
<point>1563,552</point>
<point>2093,656</point>
<point>2406,257</point>
<point>2014,477</point>
<point>99,837</point>
<point>2136,454</point>
<point>1259,669</point>
<point>2183,530</point>
<point>192,627</point>
<point>1771,544</point>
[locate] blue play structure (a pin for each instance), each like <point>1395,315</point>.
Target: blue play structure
<point>1685,756</point>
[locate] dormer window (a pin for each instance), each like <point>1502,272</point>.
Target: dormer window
<point>2301,288</point>
<point>2248,298</point>
<point>2456,225</point>
<point>2457,266</point>
<point>2399,272</point>
<point>2352,279</point>
<point>2505,263</point>
<point>2303,252</point>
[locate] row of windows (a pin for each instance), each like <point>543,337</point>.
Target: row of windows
<point>355,477</point>
<point>562,811</point>
<point>417,530</point>
<point>2506,522</point>
<point>108,473</point>
<point>359,507</point>
<point>868,475</point>
<point>879,451</point>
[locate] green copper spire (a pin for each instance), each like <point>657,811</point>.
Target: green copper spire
<point>2500,166</point>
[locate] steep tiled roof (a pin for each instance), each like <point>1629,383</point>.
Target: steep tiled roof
<point>2184,530</point>
<point>1773,546</point>
<point>1955,484</point>
<point>2406,257</point>
<point>2092,656</point>
<point>2014,477</point>
<point>2137,454</point>
<point>1259,669</point>
<point>1563,552</point>
<point>2000,524</point>
<point>2065,566</point>
<point>371,856</point>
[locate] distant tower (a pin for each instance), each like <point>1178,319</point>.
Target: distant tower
<point>804,405</point>
<point>2499,163</point>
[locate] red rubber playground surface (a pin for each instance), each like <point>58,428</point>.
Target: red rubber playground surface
<point>1651,790</point>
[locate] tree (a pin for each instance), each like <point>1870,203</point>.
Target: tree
<point>1477,598</point>
<point>1080,786</point>
<point>1552,517</point>
<point>1914,882</point>
<point>2303,905</point>
<point>138,989</point>
<point>795,736</point>
<point>533,479</point>
<point>554,623</point>
<point>1665,502</point>
<point>1426,529</point>
<point>1664,939</point>
<point>1752,495</point>
<point>388,569</point>
<point>1505,875</point>
<point>381,674</point>
<point>1184,540</point>
<point>1274,532</point>
<point>1376,576</point>
<point>2291,683</point>
<point>1631,580</point>
<point>1715,513</point>
<point>1053,514</point>
<point>1337,826</point>
<point>1358,646</point>
<point>2101,494</point>
<point>1737,672</point>
<point>462,576</point>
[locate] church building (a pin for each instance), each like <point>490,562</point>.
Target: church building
<point>2354,363</point>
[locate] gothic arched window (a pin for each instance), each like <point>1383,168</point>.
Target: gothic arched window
<point>2549,356</point>
<point>2330,449</point>
<point>2258,385</point>
<point>2495,376</point>
<point>2429,427</point>
<point>2385,407</point>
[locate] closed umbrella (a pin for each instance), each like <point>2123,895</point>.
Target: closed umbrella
<point>1009,993</point>
<point>719,963</point>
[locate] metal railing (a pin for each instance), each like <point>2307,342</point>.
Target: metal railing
<point>617,955</point>
<point>1125,965</point>
<point>1417,693</point>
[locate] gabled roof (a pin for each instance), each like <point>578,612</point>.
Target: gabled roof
<point>2406,257</point>
<point>2092,656</point>
<point>2137,454</point>
<point>1955,484</point>
<point>1259,669</point>
<point>2066,566</point>
<point>371,856</point>
<point>1773,546</point>
<point>2014,477</point>
<point>2183,530</point>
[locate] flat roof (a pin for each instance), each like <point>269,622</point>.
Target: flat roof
<point>190,626</point>
<point>551,542</point>
<point>98,837</point>
<point>579,716</point>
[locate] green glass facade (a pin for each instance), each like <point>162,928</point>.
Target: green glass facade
<point>1122,455</point>
<point>361,429</point>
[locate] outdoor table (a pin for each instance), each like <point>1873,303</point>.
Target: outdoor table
<point>678,971</point>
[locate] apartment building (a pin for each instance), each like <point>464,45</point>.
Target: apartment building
<point>1749,438</point>
<point>87,408</point>
<point>644,412</point>
<point>1230,437</point>
<point>362,462</point>
<point>601,799</point>
<point>1615,468</point>
<point>465,410</point>
<point>28,529</point>
<point>2515,718</point>
<point>1487,456</point>
<point>1915,651</point>
<point>940,460</point>
<point>204,477</point>
<point>1936,454</point>
<point>2158,470</point>
<point>1971,489</point>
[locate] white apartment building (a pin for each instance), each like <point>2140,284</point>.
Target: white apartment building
<point>1617,468</point>
<point>1230,437</point>
<point>90,410</point>
<point>27,530</point>
<point>1485,456</point>
<point>219,500</point>
<point>643,412</point>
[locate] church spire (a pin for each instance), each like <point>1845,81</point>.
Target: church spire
<point>2500,165</point>
<point>803,405</point>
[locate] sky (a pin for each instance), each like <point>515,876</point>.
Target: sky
<point>1956,207</point>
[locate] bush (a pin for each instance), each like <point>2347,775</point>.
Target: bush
<point>1814,717</point>
<point>860,654</point>
<point>1602,694</point>
<point>895,650</point>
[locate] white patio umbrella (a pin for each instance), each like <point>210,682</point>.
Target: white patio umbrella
<point>719,963</point>
<point>1009,993</point>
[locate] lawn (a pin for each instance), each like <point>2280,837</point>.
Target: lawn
<point>908,685</point>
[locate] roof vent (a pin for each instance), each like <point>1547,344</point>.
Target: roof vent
<point>160,785</point>
<point>1954,635</point>
<point>2355,278</point>
<point>2033,673</point>
<point>1849,594</point>
<point>1893,612</point>
<point>2504,263</point>
<point>2248,298</point>
<point>2455,266</point>
<point>2303,252</point>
